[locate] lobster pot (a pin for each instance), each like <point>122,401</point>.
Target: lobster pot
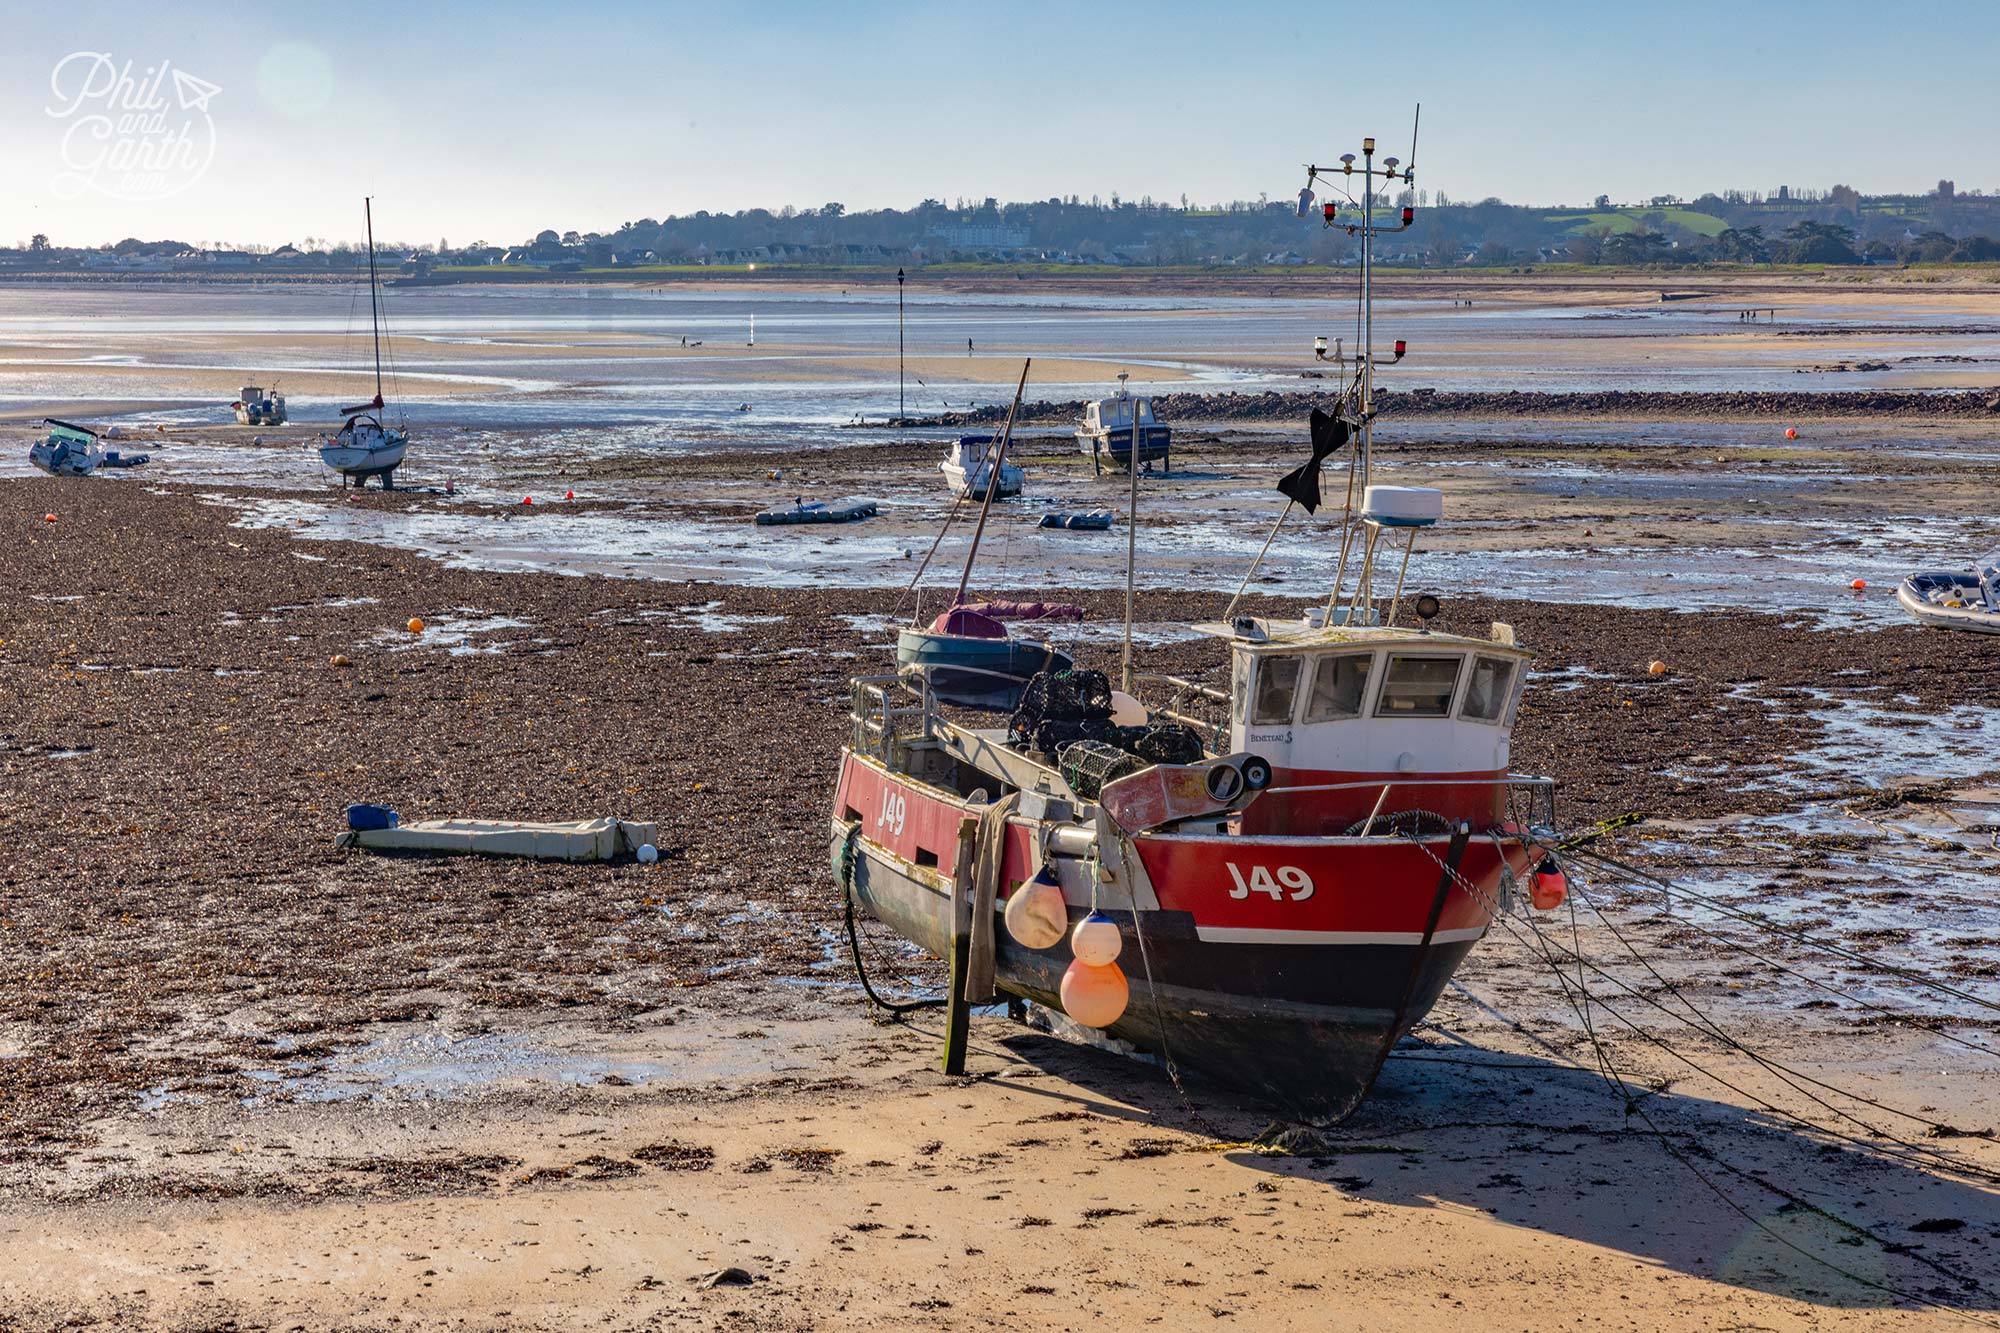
<point>1087,765</point>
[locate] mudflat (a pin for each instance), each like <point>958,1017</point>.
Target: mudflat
<point>250,1078</point>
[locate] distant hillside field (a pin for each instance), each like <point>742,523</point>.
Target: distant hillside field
<point>1629,220</point>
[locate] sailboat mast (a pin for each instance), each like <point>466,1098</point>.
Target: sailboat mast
<point>374,301</point>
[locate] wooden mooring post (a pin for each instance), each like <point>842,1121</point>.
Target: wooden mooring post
<point>958,1011</point>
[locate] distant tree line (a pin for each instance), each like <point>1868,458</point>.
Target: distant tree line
<point>1839,225</point>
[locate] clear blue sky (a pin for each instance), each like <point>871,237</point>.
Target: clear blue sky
<point>491,122</point>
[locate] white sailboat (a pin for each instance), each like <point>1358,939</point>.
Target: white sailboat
<point>364,447</point>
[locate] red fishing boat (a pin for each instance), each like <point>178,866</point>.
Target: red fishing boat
<point>1271,882</point>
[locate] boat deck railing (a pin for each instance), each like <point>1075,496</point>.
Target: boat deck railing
<point>1202,707</point>
<point>890,712</point>
<point>1538,793</point>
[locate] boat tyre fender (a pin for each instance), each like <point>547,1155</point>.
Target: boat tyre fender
<point>1403,824</point>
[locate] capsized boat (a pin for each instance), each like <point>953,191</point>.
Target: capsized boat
<point>1105,433</point>
<point>1953,599</point>
<point>967,465</point>
<point>77,451</point>
<point>364,446</point>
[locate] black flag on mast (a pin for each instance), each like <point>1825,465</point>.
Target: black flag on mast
<point>1301,484</point>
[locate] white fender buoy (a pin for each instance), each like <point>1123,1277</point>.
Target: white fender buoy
<point>1096,940</point>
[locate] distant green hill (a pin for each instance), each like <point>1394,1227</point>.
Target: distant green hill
<point>1628,219</point>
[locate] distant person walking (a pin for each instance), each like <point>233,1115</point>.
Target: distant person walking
<point>968,347</point>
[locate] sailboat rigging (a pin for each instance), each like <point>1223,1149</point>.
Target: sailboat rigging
<point>364,447</point>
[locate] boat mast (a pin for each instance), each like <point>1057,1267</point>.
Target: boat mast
<point>1390,170</point>
<point>1131,532</point>
<point>374,301</point>
<point>901,413</point>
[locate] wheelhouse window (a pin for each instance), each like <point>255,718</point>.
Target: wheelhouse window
<point>1277,684</point>
<point>1418,686</point>
<point>1339,685</point>
<point>1486,694</point>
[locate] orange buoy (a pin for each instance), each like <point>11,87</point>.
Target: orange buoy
<point>48,518</point>
<point>416,625</point>
<point>1791,433</point>
<point>527,499</point>
<point>1858,584</point>
<point>1095,996</point>
<point>1656,668</point>
<point>1548,887</point>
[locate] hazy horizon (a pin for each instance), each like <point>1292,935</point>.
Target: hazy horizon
<point>520,120</point>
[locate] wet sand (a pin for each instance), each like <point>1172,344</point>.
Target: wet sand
<point>249,1078</point>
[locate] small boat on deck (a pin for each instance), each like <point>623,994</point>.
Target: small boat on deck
<point>364,446</point>
<point>1953,599</point>
<point>1106,431</point>
<point>972,660</point>
<point>967,466</point>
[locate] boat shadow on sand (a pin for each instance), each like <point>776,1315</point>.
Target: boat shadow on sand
<point>1718,1191</point>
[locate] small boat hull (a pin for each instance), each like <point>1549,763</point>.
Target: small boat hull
<point>351,460</point>
<point>1296,1002</point>
<point>1973,613</point>
<point>1011,480</point>
<point>1113,448</point>
<point>63,461</point>
<point>974,672</point>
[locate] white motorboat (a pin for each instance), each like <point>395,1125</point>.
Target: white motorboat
<point>364,447</point>
<point>1954,599</point>
<point>1109,424</point>
<point>77,451</point>
<point>967,467</point>
<point>257,406</point>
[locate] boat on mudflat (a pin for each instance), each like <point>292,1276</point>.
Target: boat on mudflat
<point>967,466</point>
<point>1106,431</point>
<point>365,446</point>
<point>77,451</point>
<point>1272,880</point>
<point>1956,599</point>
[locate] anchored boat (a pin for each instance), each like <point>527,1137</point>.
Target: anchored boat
<point>256,406</point>
<point>364,447</point>
<point>1108,426</point>
<point>1271,881</point>
<point>968,463</point>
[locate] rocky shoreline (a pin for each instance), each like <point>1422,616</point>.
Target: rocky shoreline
<point>1965,405</point>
